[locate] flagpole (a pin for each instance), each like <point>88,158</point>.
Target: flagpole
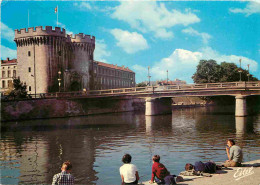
<point>28,18</point>
<point>57,15</point>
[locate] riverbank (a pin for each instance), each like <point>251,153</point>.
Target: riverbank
<point>70,107</point>
<point>248,175</point>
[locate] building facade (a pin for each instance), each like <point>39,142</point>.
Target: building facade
<point>109,76</point>
<point>8,72</point>
<point>49,60</point>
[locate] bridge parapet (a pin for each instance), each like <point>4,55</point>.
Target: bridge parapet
<point>208,89</point>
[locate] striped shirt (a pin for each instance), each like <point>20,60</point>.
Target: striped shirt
<point>63,178</point>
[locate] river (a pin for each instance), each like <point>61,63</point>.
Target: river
<point>33,151</point>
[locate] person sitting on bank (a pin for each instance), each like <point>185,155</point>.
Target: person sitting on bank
<point>208,167</point>
<point>64,177</point>
<point>234,154</point>
<point>128,172</point>
<point>162,174</point>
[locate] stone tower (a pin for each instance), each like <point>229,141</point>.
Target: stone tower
<point>44,53</point>
<point>82,48</point>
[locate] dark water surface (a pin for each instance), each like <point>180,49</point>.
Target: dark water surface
<point>33,151</point>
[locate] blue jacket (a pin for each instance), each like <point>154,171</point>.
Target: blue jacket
<point>208,167</point>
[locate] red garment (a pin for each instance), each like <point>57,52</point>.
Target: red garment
<point>159,170</point>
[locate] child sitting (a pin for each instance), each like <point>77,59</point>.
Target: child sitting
<point>161,173</point>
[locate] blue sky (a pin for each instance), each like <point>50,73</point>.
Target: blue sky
<point>165,35</point>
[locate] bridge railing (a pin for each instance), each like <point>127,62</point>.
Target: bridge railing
<point>147,89</point>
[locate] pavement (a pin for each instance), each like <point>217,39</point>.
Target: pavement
<point>249,174</point>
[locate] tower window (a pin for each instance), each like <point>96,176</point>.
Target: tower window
<point>29,69</point>
<point>29,53</point>
<point>30,88</point>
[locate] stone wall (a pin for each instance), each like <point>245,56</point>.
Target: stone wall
<point>51,108</point>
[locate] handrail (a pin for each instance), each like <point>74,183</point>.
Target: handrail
<point>148,89</point>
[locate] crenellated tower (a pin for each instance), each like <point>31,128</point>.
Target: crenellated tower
<point>46,55</point>
<point>82,47</point>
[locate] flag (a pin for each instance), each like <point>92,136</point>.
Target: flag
<point>56,9</point>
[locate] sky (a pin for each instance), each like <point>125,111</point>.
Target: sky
<point>162,35</point>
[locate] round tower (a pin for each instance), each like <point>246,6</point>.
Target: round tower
<point>40,56</point>
<point>82,54</point>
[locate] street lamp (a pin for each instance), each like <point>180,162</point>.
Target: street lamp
<point>59,79</point>
<point>240,70</point>
<point>149,75</point>
<point>167,78</point>
<point>248,72</point>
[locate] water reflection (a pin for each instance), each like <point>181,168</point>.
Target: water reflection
<point>148,124</point>
<point>32,151</point>
<point>240,127</point>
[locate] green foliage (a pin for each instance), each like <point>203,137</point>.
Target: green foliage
<point>19,90</point>
<point>208,71</point>
<point>141,84</point>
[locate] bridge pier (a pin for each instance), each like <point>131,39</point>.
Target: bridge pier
<point>241,109</point>
<point>156,106</point>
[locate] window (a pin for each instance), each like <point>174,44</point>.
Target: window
<point>9,73</point>
<point>10,83</point>
<point>29,69</point>
<point>30,88</point>
<point>3,84</point>
<point>3,74</point>
<point>14,73</point>
<point>29,53</point>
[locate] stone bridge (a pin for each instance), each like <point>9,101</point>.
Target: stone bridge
<point>158,98</point>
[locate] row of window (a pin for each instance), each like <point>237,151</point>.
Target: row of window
<point>114,73</point>
<point>115,82</point>
<point>8,67</point>
<point>8,74</point>
<point>8,84</point>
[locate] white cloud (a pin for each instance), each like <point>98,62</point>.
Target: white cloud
<point>101,51</point>
<point>83,6</point>
<point>209,53</point>
<point>251,8</point>
<point>182,64</point>
<point>205,36</point>
<point>7,33</point>
<point>7,52</point>
<point>150,16</point>
<point>129,42</point>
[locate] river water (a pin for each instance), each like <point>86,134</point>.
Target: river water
<point>33,151</point>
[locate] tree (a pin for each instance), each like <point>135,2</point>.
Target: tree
<point>230,73</point>
<point>19,90</point>
<point>141,84</point>
<point>208,71</point>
